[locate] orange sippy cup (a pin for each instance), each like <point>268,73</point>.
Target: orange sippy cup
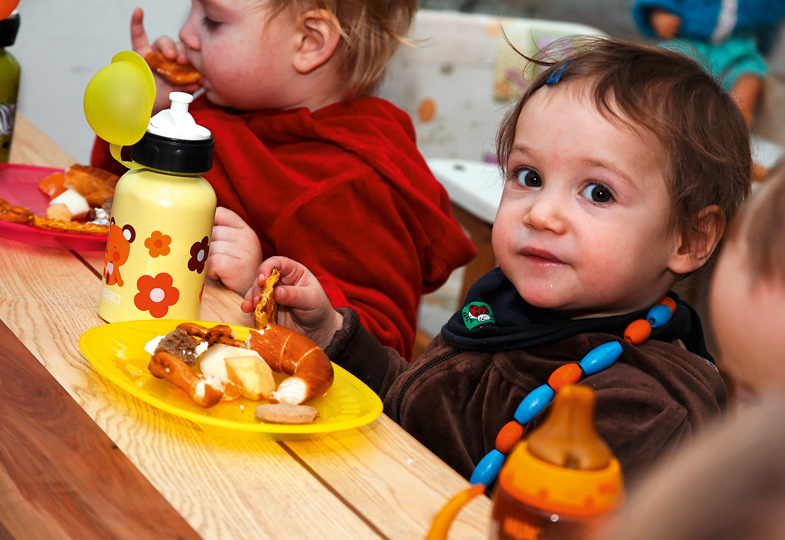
<point>560,478</point>
<point>555,482</point>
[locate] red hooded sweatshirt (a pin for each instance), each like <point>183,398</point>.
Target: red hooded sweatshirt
<point>344,191</point>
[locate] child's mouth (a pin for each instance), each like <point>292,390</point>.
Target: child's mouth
<point>540,256</point>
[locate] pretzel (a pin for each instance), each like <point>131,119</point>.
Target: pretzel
<point>69,226</point>
<point>25,216</point>
<point>203,391</point>
<point>266,310</point>
<point>219,333</point>
<point>15,214</point>
<point>171,70</point>
<point>94,184</point>
<point>285,351</point>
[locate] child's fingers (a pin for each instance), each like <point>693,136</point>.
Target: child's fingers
<point>249,300</point>
<point>226,218</point>
<point>182,58</point>
<point>291,271</point>
<point>166,46</point>
<point>139,41</point>
<point>222,233</point>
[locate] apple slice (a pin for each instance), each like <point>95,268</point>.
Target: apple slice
<point>76,204</point>
<point>212,361</point>
<point>252,374</point>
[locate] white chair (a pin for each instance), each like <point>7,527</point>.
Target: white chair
<point>456,81</point>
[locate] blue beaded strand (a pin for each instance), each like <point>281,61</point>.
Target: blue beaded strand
<point>533,403</point>
<point>488,468</point>
<point>596,360</point>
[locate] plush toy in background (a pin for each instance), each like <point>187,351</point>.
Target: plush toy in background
<point>733,36</point>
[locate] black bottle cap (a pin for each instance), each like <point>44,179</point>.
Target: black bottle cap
<point>174,155</point>
<point>9,27</point>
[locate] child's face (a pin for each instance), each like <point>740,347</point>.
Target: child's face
<point>747,321</point>
<point>244,62</point>
<point>584,222</point>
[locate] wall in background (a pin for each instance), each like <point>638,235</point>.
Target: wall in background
<point>611,16</point>
<point>63,43</point>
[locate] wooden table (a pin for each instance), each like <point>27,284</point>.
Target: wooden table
<point>80,458</point>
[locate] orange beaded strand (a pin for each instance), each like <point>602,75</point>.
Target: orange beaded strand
<point>596,360</point>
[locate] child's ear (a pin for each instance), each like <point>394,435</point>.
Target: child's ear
<point>318,37</point>
<point>697,245</point>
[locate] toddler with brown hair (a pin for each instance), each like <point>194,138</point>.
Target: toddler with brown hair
<point>307,164</point>
<point>623,163</point>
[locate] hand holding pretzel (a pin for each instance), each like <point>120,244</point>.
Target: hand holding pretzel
<point>303,305</point>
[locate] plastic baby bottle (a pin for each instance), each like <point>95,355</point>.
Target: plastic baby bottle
<point>560,478</point>
<point>9,84</point>
<point>161,224</point>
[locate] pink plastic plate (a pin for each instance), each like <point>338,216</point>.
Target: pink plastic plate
<point>19,186</point>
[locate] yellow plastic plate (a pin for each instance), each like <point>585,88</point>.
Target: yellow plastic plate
<point>117,352</point>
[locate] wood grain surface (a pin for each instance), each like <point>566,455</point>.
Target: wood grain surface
<point>60,475</point>
<point>30,146</point>
<point>371,482</point>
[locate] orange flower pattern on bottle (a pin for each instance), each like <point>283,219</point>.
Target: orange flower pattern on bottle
<point>199,252</point>
<point>156,294</point>
<point>158,244</point>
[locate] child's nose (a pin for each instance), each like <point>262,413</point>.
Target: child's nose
<point>546,212</point>
<point>188,34</point>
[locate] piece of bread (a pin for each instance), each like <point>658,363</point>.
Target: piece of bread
<point>92,183</point>
<point>266,311</point>
<point>180,344</point>
<point>286,414</point>
<point>171,70</point>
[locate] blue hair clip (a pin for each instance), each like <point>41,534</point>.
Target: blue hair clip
<point>557,73</point>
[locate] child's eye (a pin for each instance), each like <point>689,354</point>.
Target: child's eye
<point>209,23</point>
<point>528,177</point>
<point>597,193</point>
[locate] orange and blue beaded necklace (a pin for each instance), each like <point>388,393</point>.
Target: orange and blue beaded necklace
<point>598,359</point>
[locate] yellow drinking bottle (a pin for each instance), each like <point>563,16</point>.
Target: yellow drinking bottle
<point>163,210</point>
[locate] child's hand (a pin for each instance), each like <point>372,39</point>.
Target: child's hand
<point>235,252</point>
<point>665,23</point>
<point>170,49</point>
<point>303,305</point>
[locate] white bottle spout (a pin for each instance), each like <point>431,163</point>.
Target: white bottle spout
<point>180,101</point>
<point>176,122</point>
